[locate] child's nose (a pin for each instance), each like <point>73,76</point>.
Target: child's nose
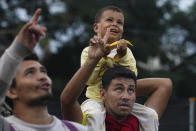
<point>114,23</point>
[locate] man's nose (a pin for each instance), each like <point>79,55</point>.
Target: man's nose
<point>126,95</point>
<point>42,77</point>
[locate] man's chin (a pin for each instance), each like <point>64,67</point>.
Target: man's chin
<point>41,100</point>
<point>124,112</point>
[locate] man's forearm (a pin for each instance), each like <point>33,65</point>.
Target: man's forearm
<point>76,85</point>
<point>70,107</point>
<point>9,63</point>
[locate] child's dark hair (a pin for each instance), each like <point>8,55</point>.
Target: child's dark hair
<point>110,7</point>
<point>31,56</point>
<point>117,72</point>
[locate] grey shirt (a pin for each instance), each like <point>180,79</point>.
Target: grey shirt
<point>9,63</point>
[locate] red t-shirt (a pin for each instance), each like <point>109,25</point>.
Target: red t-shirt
<point>130,124</point>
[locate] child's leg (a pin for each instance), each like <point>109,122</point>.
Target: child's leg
<point>148,118</point>
<point>93,114</point>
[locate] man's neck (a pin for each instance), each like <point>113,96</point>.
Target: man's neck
<point>118,118</point>
<point>33,115</point>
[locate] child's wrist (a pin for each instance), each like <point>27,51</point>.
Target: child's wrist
<point>93,59</point>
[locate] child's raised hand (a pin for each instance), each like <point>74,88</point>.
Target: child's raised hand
<point>98,47</point>
<point>105,40</point>
<point>121,48</point>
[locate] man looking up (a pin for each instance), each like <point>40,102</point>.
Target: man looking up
<point>119,94</point>
<point>31,88</point>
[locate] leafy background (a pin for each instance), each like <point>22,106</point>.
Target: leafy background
<point>163,35</point>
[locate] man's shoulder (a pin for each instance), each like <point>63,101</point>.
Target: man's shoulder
<point>57,124</point>
<point>4,125</point>
<point>73,126</point>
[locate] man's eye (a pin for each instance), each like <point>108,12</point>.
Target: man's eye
<point>119,89</point>
<point>29,73</point>
<point>131,91</point>
<point>44,71</point>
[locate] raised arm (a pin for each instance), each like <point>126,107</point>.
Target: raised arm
<point>71,109</point>
<point>23,44</point>
<point>158,91</point>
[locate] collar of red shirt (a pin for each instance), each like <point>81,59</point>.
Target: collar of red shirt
<point>130,124</point>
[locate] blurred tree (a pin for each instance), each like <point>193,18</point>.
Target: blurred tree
<point>163,36</point>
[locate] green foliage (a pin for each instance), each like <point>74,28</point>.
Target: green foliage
<point>162,31</point>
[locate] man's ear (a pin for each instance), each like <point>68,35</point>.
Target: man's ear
<point>102,93</point>
<point>11,93</point>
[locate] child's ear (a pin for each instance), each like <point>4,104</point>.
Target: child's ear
<point>11,93</point>
<point>102,93</point>
<point>95,27</point>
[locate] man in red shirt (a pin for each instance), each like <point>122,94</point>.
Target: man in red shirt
<point>118,94</point>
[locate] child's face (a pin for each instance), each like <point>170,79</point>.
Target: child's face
<point>112,20</point>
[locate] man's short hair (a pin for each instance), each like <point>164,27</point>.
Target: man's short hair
<point>31,56</point>
<point>110,7</point>
<point>117,72</point>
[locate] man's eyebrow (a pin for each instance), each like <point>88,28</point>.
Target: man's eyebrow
<point>131,85</point>
<point>119,84</point>
<point>29,69</point>
<point>43,68</point>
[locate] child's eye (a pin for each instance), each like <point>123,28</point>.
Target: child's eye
<point>120,22</point>
<point>109,19</point>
